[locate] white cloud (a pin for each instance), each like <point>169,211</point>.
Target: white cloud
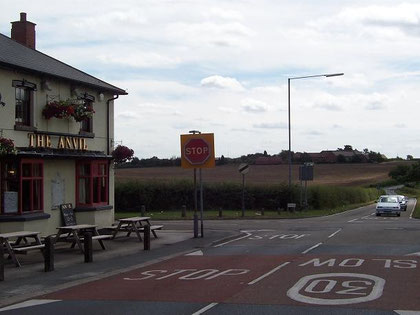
<point>160,50</point>
<point>270,125</point>
<point>217,81</point>
<point>375,106</point>
<point>250,105</point>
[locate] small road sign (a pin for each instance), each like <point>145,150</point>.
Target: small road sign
<point>243,168</point>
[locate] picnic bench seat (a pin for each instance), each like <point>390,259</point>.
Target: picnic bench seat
<point>98,237</point>
<point>28,248</point>
<point>126,228</point>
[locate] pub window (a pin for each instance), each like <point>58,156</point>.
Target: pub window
<point>86,125</point>
<point>24,97</point>
<point>92,183</point>
<point>22,186</point>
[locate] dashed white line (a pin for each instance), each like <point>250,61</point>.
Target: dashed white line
<point>407,312</point>
<point>353,220</point>
<point>335,233</point>
<point>311,248</point>
<point>205,309</point>
<point>27,304</point>
<point>234,240</point>
<point>269,273</point>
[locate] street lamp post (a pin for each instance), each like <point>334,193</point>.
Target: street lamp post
<point>288,110</point>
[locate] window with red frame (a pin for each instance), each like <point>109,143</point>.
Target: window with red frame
<point>92,183</point>
<point>22,185</point>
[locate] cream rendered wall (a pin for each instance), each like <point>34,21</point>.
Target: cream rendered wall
<point>52,168</point>
<point>61,90</point>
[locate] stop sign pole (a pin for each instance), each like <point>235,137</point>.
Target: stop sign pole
<point>197,151</point>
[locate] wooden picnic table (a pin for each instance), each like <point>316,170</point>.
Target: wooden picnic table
<point>136,225</point>
<point>74,233</point>
<point>13,243</point>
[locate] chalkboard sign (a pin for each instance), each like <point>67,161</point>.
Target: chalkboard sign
<point>68,214</point>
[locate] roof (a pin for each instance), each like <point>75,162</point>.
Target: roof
<point>16,55</point>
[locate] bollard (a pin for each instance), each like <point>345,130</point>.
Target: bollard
<point>184,211</point>
<point>1,260</point>
<point>220,212</point>
<point>142,210</point>
<point>195,225</point>
<point>146,240</point>
<point>262,211</point>
<point>49,254</point>
<point>88,247</point>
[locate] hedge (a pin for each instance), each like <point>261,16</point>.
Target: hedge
<point>158,196</point>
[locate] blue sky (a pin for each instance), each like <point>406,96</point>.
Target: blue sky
<point>222,67</point>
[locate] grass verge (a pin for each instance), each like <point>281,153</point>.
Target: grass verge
<point>413,192</point>
<point>237,214</point>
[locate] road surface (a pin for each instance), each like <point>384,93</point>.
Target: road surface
<point>349,263</point>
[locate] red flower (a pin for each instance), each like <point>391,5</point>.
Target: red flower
<point>122,154</point>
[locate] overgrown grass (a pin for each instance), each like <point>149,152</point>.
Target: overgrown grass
<point>413,192</point>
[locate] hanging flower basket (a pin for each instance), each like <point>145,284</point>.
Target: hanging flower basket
<point>122,154</point>
<point>7,146</point>
<point>58,109</point>
<point>82,112</point>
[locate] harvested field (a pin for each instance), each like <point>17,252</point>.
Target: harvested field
<point>325,174</point>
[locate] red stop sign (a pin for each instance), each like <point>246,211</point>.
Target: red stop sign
<point>197,151</point>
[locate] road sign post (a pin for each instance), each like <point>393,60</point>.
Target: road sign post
<point>243,169</point>
<point>306,172</point>
<point>197,151</point>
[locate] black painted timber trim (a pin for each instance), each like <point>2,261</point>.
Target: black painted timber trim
<point>94,208</point>
<point>24,217</point>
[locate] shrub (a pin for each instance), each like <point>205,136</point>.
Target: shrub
<point>158,196</point>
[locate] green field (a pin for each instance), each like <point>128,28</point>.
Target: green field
<point>363,174</point>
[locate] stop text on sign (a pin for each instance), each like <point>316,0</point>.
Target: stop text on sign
<point>197,150</point>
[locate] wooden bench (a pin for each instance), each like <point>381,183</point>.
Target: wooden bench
<point>24,249</point>
<point>98,237</point>
<point>126,228</point>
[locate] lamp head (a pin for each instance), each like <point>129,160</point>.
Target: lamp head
<point>333,75</point>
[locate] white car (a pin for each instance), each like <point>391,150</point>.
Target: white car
<point>388,205</point>
<point>403,202</point>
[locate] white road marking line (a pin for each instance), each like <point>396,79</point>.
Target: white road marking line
<point>205,309</point>
<point>27,304</point>
<point>196,253</point>
<point>311,248</point>
<point>353,220</point>
<point>269,273</point>
<point>335,233</point>
<point>414,208</point>
<point>407,312</point>
<point>346,212</point>
<point>413,254</point>
<point>234,240</point>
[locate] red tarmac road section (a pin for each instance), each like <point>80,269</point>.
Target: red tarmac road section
<point>389,283</point>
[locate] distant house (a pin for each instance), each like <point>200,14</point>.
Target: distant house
<point>269,160</point>
<point>329,156</point>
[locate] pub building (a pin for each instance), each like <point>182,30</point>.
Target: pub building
<point>60,120</point>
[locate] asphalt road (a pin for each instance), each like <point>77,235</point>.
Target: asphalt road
<point>349,263</point>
